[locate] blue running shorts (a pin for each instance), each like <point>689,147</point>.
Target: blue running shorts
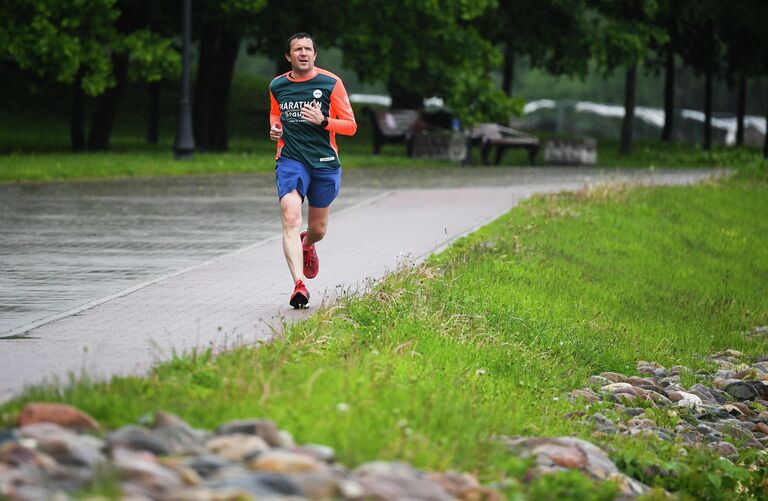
<point>319,186</point>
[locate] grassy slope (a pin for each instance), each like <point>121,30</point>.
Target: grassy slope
<point>492,334</point>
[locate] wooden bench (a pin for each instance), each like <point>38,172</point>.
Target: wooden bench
<point>490,135</point>
<point>393,126</point>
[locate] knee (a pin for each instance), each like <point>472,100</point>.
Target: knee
<point>291,221</point>
<point>317,230</point>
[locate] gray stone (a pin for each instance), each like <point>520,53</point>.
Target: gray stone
<point>8,436</point>
<point>143,473</point>
<point>282,461</point>
<point>321,452</point>
<point>236,446</point>
<point>206,464</point>
<point>140,439</point>
<point>726,449</point>
<point>260,484</point>
<point>180,437</point>
<point>741,390</point>
<point>261,427</point>
<point>65,446</point>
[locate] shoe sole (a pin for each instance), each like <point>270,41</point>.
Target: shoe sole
<point>299,301</point>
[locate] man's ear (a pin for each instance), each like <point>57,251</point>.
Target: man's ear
<point>288,57</point>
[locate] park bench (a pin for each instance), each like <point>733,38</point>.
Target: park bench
<point>490,135</point>
<point>393,126</point>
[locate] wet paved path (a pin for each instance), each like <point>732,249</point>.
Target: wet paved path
<point>117,246</point>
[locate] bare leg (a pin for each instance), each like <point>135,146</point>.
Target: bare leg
<point>291,207</point>
<point>317,222</point>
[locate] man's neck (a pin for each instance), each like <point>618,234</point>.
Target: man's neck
<point>301,75</point>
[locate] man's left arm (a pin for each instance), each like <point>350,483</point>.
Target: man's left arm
<point>341,119</point>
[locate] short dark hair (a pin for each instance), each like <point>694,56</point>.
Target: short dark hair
<point>301,34</point>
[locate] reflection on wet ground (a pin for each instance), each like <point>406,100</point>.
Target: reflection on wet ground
<point>65,244</point>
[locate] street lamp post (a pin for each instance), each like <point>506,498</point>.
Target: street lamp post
<point>185,139</point>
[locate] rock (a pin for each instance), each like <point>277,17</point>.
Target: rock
<point>61,414</point>
<point>689,400</point>
<point>8,436</point>
<point>396,481</point>
<point>725,449</point>
<point>641,423</point>
<point>224,494</point>
<point>65,446</point>
<point>633,411</point>
<point>281,461</point>
<point>180,437</point>
<point>19,455</point>
<point>587,394</point>
<point>614,387</point>
<point>261,485</point>
<point>464,487</point>
<point>261,427</point>
<point>140,439</point>
<point>321,452</point>
<point>628,485</point>
<point>145,475</point>
<point>675,396</point>
<point>737,409</point>
<point>317,485</point>
<point>741,390</point>
<point>598,381</point>
<point>285,440</point>
<point>236,446</point>
<point>761,428</point>
<point>704,394</point>
<point>206,464</point>
<point>614,377</point>
<point>560,455</point>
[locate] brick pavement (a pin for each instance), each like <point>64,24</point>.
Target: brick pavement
<point>242,297</point>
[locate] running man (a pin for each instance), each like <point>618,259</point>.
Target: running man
<point>309,107</point>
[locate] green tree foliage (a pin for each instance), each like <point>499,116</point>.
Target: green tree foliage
<point>423,48</point>
<point>553,34</point>
<point>624,33</point>
<point>91,45</point>
<point>59,40</point>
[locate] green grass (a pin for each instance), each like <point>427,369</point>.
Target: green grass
<point>490,336</point>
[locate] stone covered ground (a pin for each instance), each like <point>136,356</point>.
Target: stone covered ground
<point>57,451</point>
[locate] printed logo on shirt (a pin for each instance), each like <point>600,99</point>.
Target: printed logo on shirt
<point>328,159</point>
<point>291,110</point>
<point>317,93</point>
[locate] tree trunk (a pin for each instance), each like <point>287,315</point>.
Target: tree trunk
<point>229,48</point>
<point>219,47</point>
<point>669,96</point>
<point>629,110</point>
<point>106,108</point>
<point>77,115</point>
<point>203,88</point>
<point>708,109</point>
<point>153,116</point>
<point>741,109</point>
<point>508,71</point>
<point>403,98</point>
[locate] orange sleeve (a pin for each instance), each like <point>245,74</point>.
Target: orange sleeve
<point>341,119</point>
<point>274,111</point>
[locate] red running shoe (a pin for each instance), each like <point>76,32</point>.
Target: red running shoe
<point>300,296</point>
<point>311,261</point>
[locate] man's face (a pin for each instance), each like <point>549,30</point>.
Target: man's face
<point>302,55</point>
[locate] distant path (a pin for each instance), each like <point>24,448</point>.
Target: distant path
<point>242,296</point>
